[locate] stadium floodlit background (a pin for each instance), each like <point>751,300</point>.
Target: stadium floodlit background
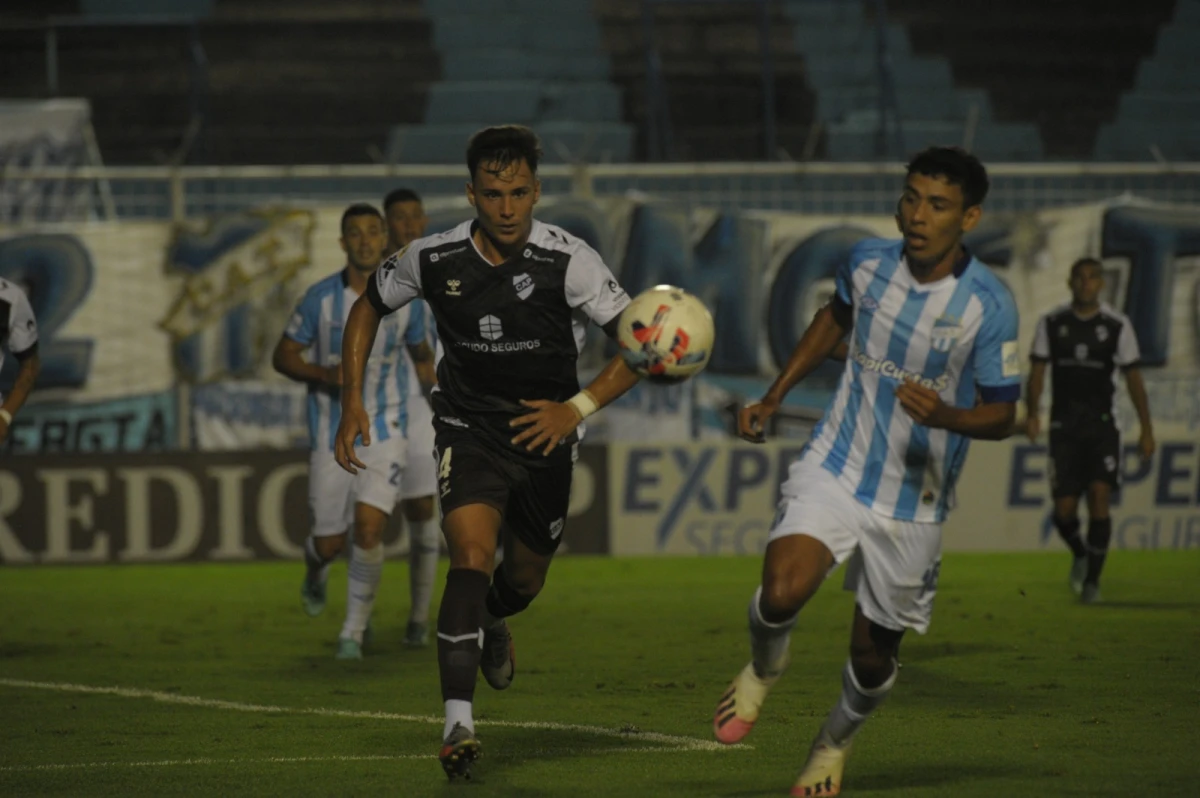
<point>172,173</point>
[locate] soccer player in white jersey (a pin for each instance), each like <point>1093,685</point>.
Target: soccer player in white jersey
<point>406,222</point>
<point>512,297</point>
<point>932,363</point>
<point>339,500</point>
<point>18,335</point>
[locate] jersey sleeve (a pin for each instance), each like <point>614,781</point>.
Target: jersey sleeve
<point>418,321</point>
<point>844,281</point>
<point>22,326</point>
<point>591,287</point>
<point>996,356</point>
<point>1128,355</point>
<point>1040,351</point>
<point>302,327</point>
<point>396,282</point>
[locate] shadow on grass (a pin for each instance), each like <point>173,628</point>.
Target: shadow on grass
<point>505,750</point>
<point>16,650</point>
<point>914,778</point>
<point>924,652</point>
<point>1147,605</point>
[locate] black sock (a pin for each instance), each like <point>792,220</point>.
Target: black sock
<point>1099,533</point>
<point>1068,530</point>
<point>502,598</point>
<point>460,632</point>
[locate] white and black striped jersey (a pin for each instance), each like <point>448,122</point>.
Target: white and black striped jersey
<point>1084,355</point>
<point>18,327</point>
<point>508,332</point>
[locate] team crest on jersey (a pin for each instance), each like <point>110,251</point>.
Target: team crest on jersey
<point>945,334</point>
<point>869,303</point>
<point>1063,331</point>
<point>523,284</point>
<point>453,287</point>
<point>1101,333</point>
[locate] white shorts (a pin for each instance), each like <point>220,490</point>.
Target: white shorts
<point>420,473</point>
<point>893,565</point>
<point>333,491</point>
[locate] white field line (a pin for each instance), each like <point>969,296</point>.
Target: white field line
<point>671,741</point>
<point>175,762</point>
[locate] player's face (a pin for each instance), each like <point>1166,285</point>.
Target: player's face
<point>504,201</point>
<point>363,240</point>
<point>932,218</point>
<point>406,223</point>
<point>1086,283</point>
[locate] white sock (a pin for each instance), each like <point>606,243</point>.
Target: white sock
<point>458,712</point>
<point>768,641</point>
<point>318,567</point>
<point>855,705</point>
<point>422,567</point>
<point>366,568</point>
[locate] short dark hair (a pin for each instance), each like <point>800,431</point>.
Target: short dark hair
<point>504,145</point>
<point>400,195</point>
<point>360,209</point>
<point>958,167</point>
<point>1085,261</point>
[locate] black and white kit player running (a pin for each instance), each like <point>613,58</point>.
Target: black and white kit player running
<point>512,298</point>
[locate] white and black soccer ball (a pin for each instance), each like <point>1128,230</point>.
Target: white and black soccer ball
<point>666,334</point>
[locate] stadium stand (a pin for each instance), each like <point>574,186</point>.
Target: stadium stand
<point>711,70</point>
<point>1058,65</point>
<point>511,62</point>
<point>839,40</point>
<point>1160,116</point>
<point>271,82</point>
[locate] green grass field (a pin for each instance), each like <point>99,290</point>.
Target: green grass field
<point>1016,690</point>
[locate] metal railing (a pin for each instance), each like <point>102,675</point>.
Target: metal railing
<point>152,192</point>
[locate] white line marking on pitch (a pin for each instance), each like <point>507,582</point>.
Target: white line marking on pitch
<point>675,742</point>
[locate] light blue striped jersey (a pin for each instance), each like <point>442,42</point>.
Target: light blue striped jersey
<point>414,385</point>
<point>317,323</point>
<point>957,336</point>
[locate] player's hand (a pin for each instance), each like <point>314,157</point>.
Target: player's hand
<point>752,420</point>
<point>921,403</point>
<point>333,376</point>
<point>1033,428</point>
<point>354,423</point>
<point>1145,444</point>
<point>549,424</point>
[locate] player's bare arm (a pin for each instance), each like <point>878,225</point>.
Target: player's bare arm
<point>820,340</point>
<point>422,358</point>
<point>1137,393</point>
<point>288,360</point>
<point>551,422</point>
<point>990,421</point>
<point>27,374</point>
<point>357,339</point>
<point>1033,400</point>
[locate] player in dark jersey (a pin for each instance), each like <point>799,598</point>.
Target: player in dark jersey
<point>511,297</point>
<point>1085,342</point>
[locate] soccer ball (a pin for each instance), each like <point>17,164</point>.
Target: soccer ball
<point>666,334</point>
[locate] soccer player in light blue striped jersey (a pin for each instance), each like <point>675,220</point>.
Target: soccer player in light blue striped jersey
<point>340,500</point>
<point>932,363</point>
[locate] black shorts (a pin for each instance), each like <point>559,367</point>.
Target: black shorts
<point>532,500</point>
<point>1077,461</point>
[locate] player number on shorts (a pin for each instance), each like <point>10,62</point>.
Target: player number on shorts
<point>394,480</point>
<point>444,466</point>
